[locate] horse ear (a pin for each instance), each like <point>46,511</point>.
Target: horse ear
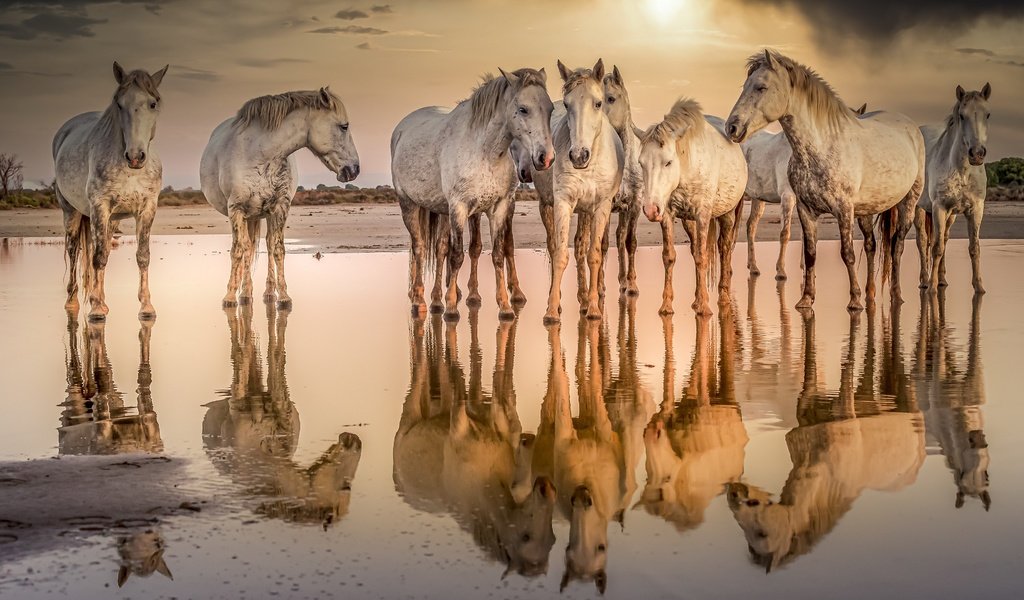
<point>863,108</point>
<point>616,75</point>
<point>986,91</point>
<point>511,78</point>
<point>122,573</point>
<point>563,71</point>
<point>959,500</point>
<point>118,73</point>
<point>986,500</point>
<point>599,69</point>
<point>161,567</point>
<point>601,581</point>
<point>159,76</point>
<point>543,76</point>
<point>325,96</point>
<point>769,60</point>
<point>960,93</point>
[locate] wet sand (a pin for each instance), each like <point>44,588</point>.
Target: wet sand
<point>360,228</point>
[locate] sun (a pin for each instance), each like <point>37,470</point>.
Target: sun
<point>663,11</point>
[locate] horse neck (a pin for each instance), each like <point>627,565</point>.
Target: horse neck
<point>806,137</point>
<point>493,139</point>
<point>289,137</point>
<point>106,133</point>
<point>949,148</point>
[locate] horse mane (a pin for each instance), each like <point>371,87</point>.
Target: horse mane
<point>270,111</point>
<point>108,123</point>
<point>685,115</point>
<point>825,105</point>
<point>577,78</point>
<point>486,97</point>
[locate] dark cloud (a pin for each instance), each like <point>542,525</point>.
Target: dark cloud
<point>78,6</point>
<point>351,14</point>
<point>382,9</point>
<point>880,21</point>
<point>981,51</point>
<point>6,66</point>
<point>1008,62</point>
<point>60,25</point>
<point>193,73</point>
<point>354,29</point>
<point>264,63</point>
<point>364,46</point>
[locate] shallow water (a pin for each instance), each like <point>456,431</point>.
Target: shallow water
<point>221,463</point>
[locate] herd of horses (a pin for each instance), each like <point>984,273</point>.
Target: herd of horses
<point>585,156</point>
<point>460,449</point>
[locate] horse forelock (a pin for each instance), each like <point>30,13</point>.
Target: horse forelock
<point>825,105</point>
<point>140,79</point>
<point>270,111</point>
<point>968,98</point>
<point>487,97</point>
<point>578,78</point>
<point>686,116</point>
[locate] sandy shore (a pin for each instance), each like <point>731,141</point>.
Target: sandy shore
<point>376,228</point>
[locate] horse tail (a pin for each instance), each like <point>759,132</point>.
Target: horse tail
<point>711,245</point>
<point>430,225</point>
<point>887,227</point>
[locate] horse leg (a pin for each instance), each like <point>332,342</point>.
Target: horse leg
<point>939,224</point>
<point>867,227</point>
<point>951,218</point>
<point>974,234</point>
<point>73,223</point>
<point>252,227</point>
<point>143,225</point>
<point>579,246</point>
<point>239,242</point>
<point>558,243</point>
<point>921,225</point>
<point>595,258</point>
<point>668,259</point>
<point>270,291</point>
<point>275,228</point>
<point>699,242</point>
<point>498,223</point>
<point>905,219</point>
<point>756,211</point>
<point>605,242</point>
<point>631,245</point>
<point>440,262</point>
<point>726,244</point>
<point>547,218</point>
<point>412,217</point>
<point>844,219</point>
<point>621,232</point>
<point>788,202</point>
<point>475,248</point>
<point>518,297</point>
<point>102,234</point>
<point>457,219</point>
<point>809,224</point>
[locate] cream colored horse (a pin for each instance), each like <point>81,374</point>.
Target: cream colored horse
<point>141,553</point>
<point>94,419</point>
<point>459,450</point>
<point>852,168</point>
<point>696,447</point>
<point>248,174</point>
<point>951,391</point>
<point>107,170</point>
<point>252,433</point>
<point>845,443</point>
<point>955,183</point>
<point>691,171</point>
<point>455,164</point>
<point>768,157</point>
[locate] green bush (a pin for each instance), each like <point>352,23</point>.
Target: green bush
<point>1006,171</point>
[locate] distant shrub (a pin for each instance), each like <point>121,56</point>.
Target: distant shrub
<point>1006,171</point>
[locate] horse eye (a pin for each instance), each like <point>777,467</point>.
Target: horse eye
<point>987,115</point>
<point>598,104</point>
<point>523,110</point>
<point>344,126</point>
<point>152,105</point>
<point>611,100</point>
<point>601,548</point>
<point>761,88</point>
<point>526,538</point>
<point>668,164</point>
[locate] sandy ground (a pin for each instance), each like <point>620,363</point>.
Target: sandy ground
<point>354,228</point>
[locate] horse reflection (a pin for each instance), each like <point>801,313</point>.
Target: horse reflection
<point>141,554</point>
<point>460,450</point>
<point>94,419</point>
<point>868,436</point>
<point>592,457</point>
<point>951,391</point>
<point>773,359</point>
<point>695,446</point>
<point>252,433</point>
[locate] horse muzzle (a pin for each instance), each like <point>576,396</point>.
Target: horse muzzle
<point>652,212</point>
<point>348,173</point>
<point>976,155</point>
<point>543,160</point>
<point>525,175</point>
<point>136,160</point>
<point>736,132</point>
<point>580,159</point>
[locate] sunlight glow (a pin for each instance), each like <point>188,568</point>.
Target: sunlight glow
<point>663,11</point>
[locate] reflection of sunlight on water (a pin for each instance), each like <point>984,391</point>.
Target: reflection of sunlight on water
<point>830,418</point>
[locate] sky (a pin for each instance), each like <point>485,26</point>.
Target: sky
<point>386,58</point>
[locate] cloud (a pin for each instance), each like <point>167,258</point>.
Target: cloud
<point>350,29</point>
<point>6,66</point>
<point>369,46</point>
<point>981,51</point>
<point>364,46</point>
<point>59,25</point>
<point>1007,62</point>
<point>264,63</point>
<point>193,73</point>
<point>879,21</point>
<point>351,14</point>
<point>382,9</point>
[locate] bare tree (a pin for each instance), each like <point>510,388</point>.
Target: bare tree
<point>10,174</point>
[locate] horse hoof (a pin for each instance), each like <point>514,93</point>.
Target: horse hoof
<point>518,299</point>
<point>245,300</point>
<point>855,306</point>
<point>979,289</point>
<point>451,315</point>
<point>436,308</point>
<point>552,319</point>
<point>805,302</point>
<point>755,272</point>
<point>147,314</point>
<point>506,314</point>
<point>269,297</point>
<point>943,283</point>
<point>97,317</point>
<point>666,309</point>
<point>923,285</point>
<point>633,291</point>
<point>474,299</point>
<point>594,315</point>
<point>702,311</point>
<point>419,310</point>
<point>284,304</point>
<point>229,303</point>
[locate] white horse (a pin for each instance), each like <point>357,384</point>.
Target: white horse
<point>107,170</point>
<point>693,172</point>
<point>768,157</point>
<point>852,168</point>
<point>616,107</point>
<point>586,176</point>
<point>456,163</point>
<point>247,173</point>
<point>955,182</point>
